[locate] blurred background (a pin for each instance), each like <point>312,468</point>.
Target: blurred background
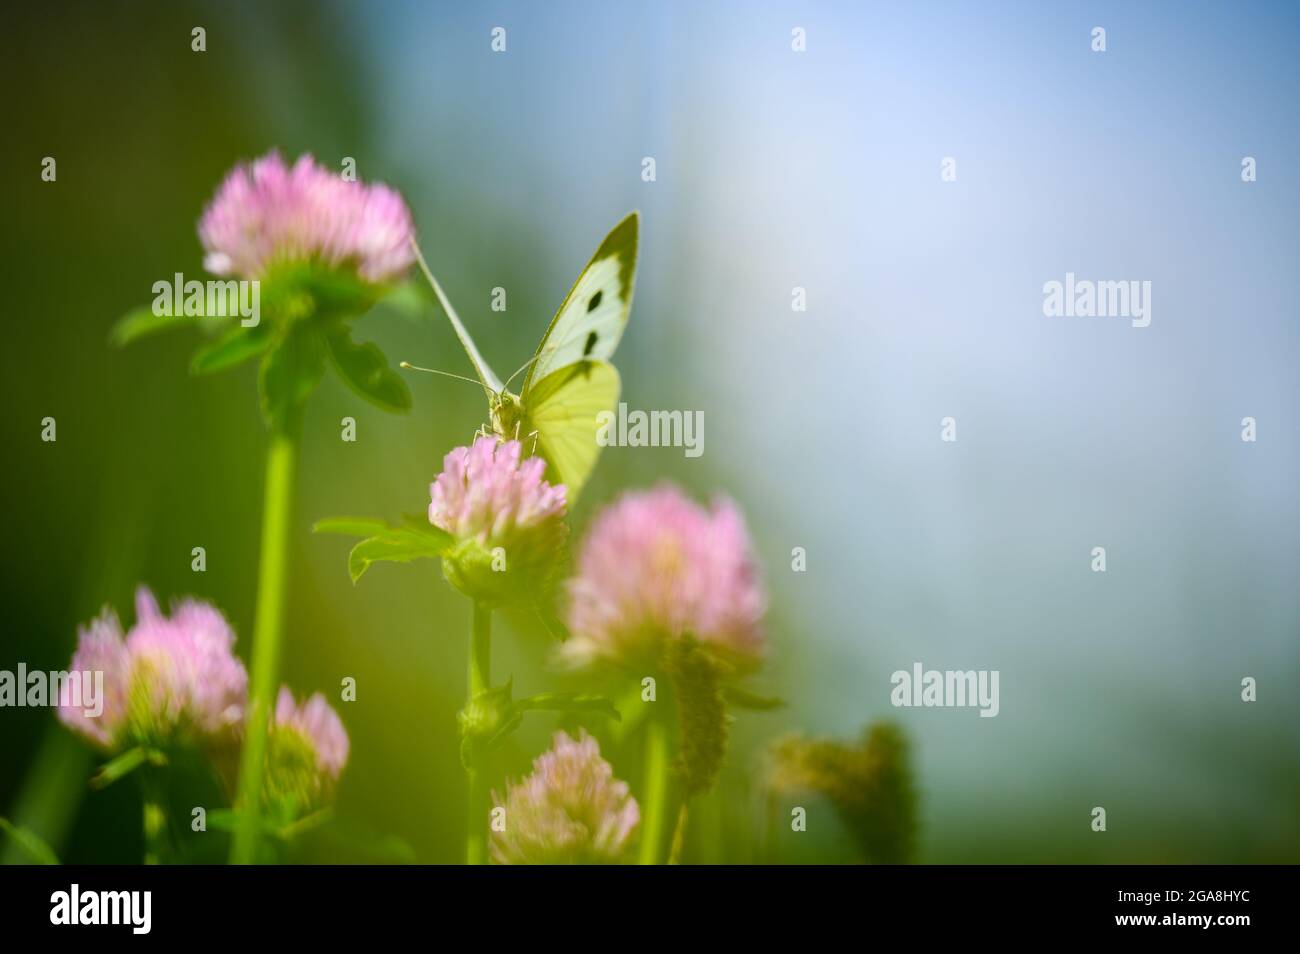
<point>775,169</point>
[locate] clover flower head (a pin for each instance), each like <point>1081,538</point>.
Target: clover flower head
<point>171,679</point>
<point>570,810</point>
<point>657,567</point>
<point>308,751</point>
<point>506,520</point>
<point>267,212</point>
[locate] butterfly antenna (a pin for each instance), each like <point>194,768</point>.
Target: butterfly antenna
<point>522,368</point>
<point>446,374</point>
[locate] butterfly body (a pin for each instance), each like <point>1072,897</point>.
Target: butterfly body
<point>507,416</point>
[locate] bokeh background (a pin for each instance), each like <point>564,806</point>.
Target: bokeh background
<point>775,170</point>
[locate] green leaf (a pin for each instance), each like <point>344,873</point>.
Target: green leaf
<point>141,323</point>
<point>569,702</point>
<point>29,843</point>
<point>385,542</point>
<point>234,347</point>
<point>397,545</point>
<point>290,372</point>
<point>744,699</point>
<point>552,623</point>
<point>366,371</point>
<point>125,764</point>
<point>350,526</point>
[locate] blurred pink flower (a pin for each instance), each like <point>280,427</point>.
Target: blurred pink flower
<point>266,212</point>
<point>570,810</point>
<point>319,725</point>
<point>307,750</point>
<point>486,498</point>
<point>99,649</point>
<point>169,678</point>
<point>655,567</point>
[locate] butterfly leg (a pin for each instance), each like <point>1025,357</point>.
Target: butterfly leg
<point>533,435</point>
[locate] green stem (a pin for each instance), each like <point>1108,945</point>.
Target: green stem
<point>154,820</point>
<point>480,679</point>
<point>268,630</point>
<point>679,837</point>
<point>655,808</point>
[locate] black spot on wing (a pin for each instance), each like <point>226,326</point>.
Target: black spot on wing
<point>595,301</point>
<point>591,339</point>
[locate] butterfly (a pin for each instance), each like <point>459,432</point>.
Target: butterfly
<point>569,381</point>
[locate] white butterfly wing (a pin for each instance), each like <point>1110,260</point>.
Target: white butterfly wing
<point>592,317</point>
